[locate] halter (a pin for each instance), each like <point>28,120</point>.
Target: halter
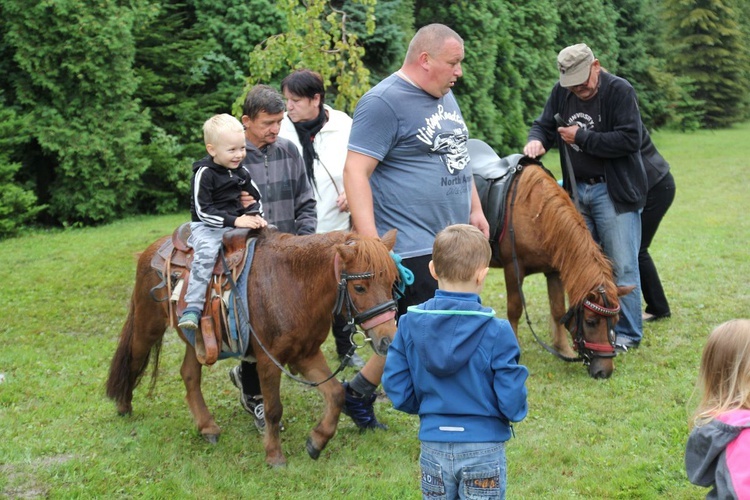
<point>589,350</point>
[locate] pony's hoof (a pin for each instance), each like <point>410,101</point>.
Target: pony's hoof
<point>311,449</point>
<point>211,438</point>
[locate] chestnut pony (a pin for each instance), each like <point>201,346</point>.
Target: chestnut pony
<point>293,285</point>
<point>544,233</point>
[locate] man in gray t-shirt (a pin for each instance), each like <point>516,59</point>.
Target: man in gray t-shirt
<point>407,168</point>
<point>421,183</point>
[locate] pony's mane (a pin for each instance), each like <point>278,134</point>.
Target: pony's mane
<point>300,250</point>
<point>565,236</point>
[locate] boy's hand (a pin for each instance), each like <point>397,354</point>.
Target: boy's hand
<point>250,221</point>
<point>246,199</point>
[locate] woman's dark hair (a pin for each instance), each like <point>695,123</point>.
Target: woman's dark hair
<point>305,83</point>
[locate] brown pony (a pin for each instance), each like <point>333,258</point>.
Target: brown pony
<point>544,233</point>
<point>293,285</point>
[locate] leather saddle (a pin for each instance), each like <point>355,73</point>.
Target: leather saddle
<point>492,177</point>
<point>173,261</point>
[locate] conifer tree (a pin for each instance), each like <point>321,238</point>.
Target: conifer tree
<point>641,59</point>
<point>190,61</point>
<point>711,49</point>
<point>532,28</point>
<point>386,47</point>
<point>18,203</point>
<point>488,92</point>
<point>79,95</point>
<point>592,22</point>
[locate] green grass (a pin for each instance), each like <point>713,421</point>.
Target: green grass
<point>64,298</point>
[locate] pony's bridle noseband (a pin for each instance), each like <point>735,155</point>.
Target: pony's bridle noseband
<point>589,350</point>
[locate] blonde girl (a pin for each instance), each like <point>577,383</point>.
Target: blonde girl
<point>718,449</point>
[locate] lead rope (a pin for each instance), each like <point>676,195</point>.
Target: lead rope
<point>335,186</point>
<point>568,164</point>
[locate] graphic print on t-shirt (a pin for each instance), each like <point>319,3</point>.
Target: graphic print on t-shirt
<point>583,120</point>
<point>447,135</point>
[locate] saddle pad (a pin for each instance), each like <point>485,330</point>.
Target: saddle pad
<point>238,310</point>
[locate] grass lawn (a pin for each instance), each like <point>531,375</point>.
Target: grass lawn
<point>64,298</point>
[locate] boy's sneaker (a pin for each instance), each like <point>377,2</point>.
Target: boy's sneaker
<point>189,320</point>
<point>360,410</point>
<point>252,405</point>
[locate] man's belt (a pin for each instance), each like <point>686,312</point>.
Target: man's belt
<point>592,180</point>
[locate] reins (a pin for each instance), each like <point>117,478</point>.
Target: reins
<point>568,164</point>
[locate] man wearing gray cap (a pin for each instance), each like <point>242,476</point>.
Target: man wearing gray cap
<point>593,118</point>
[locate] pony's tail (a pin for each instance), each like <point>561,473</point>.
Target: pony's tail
<point>124,377</point>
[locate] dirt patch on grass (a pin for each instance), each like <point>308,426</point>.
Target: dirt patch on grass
<point>22,478</point>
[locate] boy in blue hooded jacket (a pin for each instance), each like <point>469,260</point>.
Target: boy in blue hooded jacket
<point>455,364</point>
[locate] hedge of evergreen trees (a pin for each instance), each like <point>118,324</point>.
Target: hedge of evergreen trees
<point>102,101</point>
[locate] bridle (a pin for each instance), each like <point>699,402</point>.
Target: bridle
<point>344,304</point>
<point>573,321</point>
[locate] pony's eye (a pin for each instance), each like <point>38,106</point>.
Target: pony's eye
<point>359,289</point>
<point>592,323</point>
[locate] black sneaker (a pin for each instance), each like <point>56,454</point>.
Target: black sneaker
<point>252,405</point>
<point>648,317</point>
<point>360,410</point>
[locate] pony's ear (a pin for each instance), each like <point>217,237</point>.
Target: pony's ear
<point>389,240</point>
<point>347,251</point>
<point>624,290</point>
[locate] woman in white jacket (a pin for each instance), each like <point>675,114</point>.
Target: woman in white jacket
<point>321,134</point>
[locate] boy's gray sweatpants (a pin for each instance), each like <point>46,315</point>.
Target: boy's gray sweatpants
<point>206,242</point>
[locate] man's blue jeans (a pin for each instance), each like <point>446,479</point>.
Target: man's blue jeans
<point>462,470</point>
<point>620,238</point>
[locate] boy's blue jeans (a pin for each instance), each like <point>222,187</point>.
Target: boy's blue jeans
<point>462,470</point>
